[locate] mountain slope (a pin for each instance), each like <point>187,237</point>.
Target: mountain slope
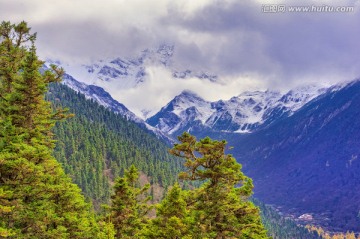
<point>279,227</point>
<point>125,73</point>
<point>185,111</point>
<point>97,145</point>
<point>309,162</point>
<point>103,98</point>
<point>242,114</point>
<point>126,77</point>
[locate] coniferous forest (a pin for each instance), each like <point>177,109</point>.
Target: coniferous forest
<point>38,200</point>
<point>96,146</point>
<point>85,172</point>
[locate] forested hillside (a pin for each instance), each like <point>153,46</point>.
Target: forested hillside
<point>279,227</point>
<point>96,145</point>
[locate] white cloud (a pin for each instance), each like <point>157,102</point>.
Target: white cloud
<point>160,87</point>
<point>231,38</point>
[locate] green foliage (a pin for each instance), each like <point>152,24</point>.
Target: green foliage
<point>220,207</point>
<point>326,235</point>
<point>97,145</point>
<point>172,217</point>
<point>37,199</point>
<point>129,205</point>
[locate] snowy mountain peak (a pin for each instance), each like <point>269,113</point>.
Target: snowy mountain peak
<point>241,114</point>
<point>295,98</point>
<point>256,97</point>
<point>122,77</point>
<point>124,73</point>
<point>245,113</point>
<point>189,95</point>
<point>166,50</point>
<point>189,102</point>
<point>158,56</point>
<point>248,111</point>
<point>102,97</point>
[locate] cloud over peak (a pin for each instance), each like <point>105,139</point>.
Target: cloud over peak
<point>233,39</point>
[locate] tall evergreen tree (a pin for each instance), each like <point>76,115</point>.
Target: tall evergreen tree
<point>220,207</point>
<point>129,206</point>
<point>37,199</point>
<point>172,217</point>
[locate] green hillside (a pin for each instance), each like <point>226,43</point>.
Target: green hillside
<point>96,145</point>
<point>279,227</point>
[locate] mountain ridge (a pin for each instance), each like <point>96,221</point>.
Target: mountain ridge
<point>120,74</point>
<point>240,114</point>
<point>99,95</point>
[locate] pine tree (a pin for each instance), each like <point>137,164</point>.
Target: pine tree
<point>220,207</point>
<point>115,142</point>
<point>172,217</point>
<point>37,199</point>
<point>129,205</point>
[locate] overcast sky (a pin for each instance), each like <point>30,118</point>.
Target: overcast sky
<point>234,39</point>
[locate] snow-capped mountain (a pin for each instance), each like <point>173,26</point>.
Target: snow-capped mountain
<point>119,72</point>
<point>121,76</point>
<point>102,97</point>
<point>244,113</point>
<point>189,112</point>
<point>241,114</point>
<point>183,112</point>
<point>308,163</point>
<point>105,80</point>
<point>99,95</point>
<point>128,73</point>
